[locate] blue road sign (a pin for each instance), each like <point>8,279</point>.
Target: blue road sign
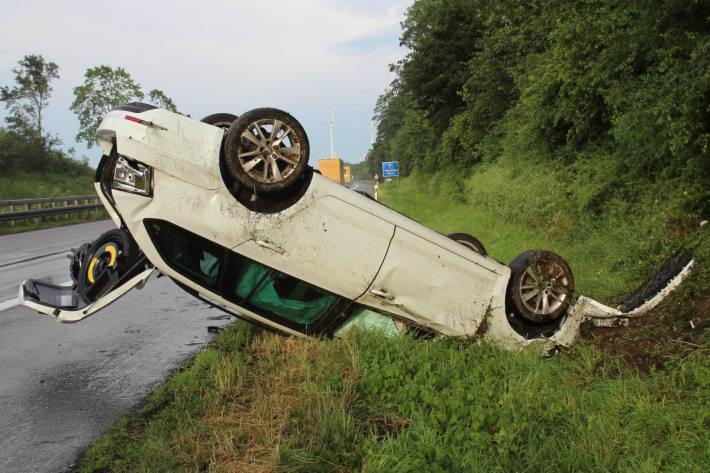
<point>390,169</point>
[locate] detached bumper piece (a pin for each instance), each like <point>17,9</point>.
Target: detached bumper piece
<point>645,298</point>
<point>64,302</point>
<point>101,272</point>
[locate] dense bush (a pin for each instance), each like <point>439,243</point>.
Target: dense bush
<point>615,96</point>
<point>23,153</point>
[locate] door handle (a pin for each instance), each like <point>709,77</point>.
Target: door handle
<point>270,246</point>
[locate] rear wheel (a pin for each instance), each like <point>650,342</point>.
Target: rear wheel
<point>266,150</point>
<point>540,287</point>
<point>108,258</point>
<point>221,120</point>
<point>470,241</point>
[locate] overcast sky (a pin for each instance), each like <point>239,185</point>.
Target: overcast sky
<point>209,56</point>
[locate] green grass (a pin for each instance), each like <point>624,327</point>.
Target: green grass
<point>257,402</point>
<point>475,408</point>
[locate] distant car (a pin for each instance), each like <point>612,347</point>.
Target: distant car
<point>229,208</point>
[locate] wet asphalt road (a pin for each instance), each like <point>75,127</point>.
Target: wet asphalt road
<point>62,385</point>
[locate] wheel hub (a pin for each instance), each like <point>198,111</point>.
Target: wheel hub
<point>543,292</point>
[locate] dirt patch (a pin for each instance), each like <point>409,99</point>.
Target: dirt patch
<point>649,341</point>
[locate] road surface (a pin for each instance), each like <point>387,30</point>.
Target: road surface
<point>64,384</point>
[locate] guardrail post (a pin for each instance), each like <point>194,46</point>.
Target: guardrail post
<point>12,222</point>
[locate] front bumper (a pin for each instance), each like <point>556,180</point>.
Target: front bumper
<point>65,303</point>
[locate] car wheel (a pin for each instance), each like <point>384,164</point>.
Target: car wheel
<point>107,259</point>
<point>540,287</point>
<point>470,241</point>
<point>266,150</point>
<point>221,120</point>
<point>365,194</point>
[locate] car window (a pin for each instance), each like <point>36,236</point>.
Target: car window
<point>266,291</point>
<point>193,256</point>
<point>263,289</point>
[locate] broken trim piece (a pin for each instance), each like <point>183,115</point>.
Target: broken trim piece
<point>605,316</point>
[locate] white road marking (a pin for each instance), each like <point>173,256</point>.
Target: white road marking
<point>8,304</point>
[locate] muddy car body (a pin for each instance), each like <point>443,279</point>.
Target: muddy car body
<point>307,256</point>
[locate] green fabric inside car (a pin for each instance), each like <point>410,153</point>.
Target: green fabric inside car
<point>266,297</point>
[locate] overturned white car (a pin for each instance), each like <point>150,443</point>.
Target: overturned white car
<point>229,208</point>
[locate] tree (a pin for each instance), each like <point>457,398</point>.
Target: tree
<point>30,97</point>
<point>157,97</point>
<point>103,89</point>
<point>441,38</point>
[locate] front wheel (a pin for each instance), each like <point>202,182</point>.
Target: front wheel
<point>540,287</point>
<point>266,150</point>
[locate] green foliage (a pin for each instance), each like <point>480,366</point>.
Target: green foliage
<point>616,95</point>
<point>23,155</point>
<point>158,97</point>
<point>441,37</point>
<point>30,97</point>
<point>359,171</point>
<point>403,134</point>
<point>103,89</point>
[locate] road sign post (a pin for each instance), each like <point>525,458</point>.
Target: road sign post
<point>390,169</point>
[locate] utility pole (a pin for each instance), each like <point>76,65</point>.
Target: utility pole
<point>332,145</point>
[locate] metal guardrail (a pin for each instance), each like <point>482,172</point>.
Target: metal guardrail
<point>9,211</point>
<point>46,200</point>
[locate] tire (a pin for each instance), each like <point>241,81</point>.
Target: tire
<point>470,241</point>
<point>365,194</point>
<point>221,120</point>
<point>107,259</point>
<point>266,150</point>
<point>540,287</point>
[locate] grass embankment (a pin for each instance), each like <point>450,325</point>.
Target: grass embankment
<point>22,185</point>
<point>258,402</point>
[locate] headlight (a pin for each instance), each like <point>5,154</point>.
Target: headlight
<point>132,176</point>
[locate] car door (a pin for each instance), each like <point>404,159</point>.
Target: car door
<point>433,286</point>
<point>330,243</point>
